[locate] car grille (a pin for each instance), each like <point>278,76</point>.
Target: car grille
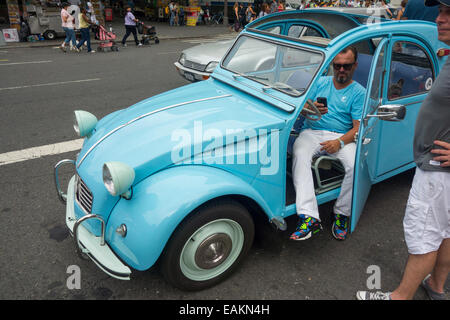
<point>83,195</point>
<point>194,65</point>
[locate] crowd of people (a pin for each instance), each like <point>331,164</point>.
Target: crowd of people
<point>243,15</point>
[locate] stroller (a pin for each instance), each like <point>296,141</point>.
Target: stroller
<point>106,39</point>
<point>148,33</point>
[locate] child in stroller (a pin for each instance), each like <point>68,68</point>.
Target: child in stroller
<point>148,33</point>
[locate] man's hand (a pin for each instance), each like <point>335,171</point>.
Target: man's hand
<point>320,106</point>
<point>330,146</point>
<point>444,154</point>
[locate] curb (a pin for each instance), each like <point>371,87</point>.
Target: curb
<point>56,43</point>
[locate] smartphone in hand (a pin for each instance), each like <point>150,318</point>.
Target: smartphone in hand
<point>323,101</point>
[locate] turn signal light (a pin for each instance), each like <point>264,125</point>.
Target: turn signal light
<point>443,52</point>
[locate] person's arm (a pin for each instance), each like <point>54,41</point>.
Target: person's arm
<point>85,18</point>
<point>443,154</point>
<point>134,18</point>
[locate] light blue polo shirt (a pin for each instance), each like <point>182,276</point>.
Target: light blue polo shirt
<point>344,105</point>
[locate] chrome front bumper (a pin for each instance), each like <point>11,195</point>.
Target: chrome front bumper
<point>86,243</point>
<point>191,74</point>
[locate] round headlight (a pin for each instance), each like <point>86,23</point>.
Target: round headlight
<point>118,178</point>
<point>182,59</point>
<point>211,66</point>
<point>84,122</point>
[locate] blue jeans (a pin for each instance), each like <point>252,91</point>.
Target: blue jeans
<point>85,37</point>
<point>70,35</point>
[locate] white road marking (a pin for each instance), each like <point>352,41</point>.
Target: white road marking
<point>38,152</point>
<point>25,62</point>
<point>49,84</point>
<point>220,37</point>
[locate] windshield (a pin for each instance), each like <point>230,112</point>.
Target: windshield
<point>277,66</point>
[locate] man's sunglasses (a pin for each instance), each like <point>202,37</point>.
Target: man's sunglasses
<point>347,66</point>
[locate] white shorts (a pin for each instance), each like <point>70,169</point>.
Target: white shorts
<point>427,217</point>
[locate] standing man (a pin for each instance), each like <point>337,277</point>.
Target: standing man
<point>333,134</point>
<point>130,27</point>
<point>427,217</point>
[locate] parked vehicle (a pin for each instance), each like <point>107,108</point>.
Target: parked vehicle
<point>181,177</point>
<point>48,22</point>
<point>198,62</point>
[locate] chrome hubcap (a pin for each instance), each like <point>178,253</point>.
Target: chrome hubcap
<point>213,251</point>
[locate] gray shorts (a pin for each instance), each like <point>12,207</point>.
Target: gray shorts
<point>427,217</point>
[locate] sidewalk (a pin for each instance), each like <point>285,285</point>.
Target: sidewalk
<point>163,32</point>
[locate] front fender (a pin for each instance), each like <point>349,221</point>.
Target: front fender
<point>160,202</point>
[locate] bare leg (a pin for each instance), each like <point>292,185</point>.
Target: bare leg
<point>442,268</point>
<point>417,268</point>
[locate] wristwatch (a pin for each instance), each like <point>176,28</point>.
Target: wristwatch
<point>341,142</point>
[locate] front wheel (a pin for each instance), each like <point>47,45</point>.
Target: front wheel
<point>208,246</point>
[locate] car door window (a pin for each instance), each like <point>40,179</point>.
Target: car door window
<point>411,70</point>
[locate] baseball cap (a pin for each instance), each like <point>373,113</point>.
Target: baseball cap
<point>431,3</point>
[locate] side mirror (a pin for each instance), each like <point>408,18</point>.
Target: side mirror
<point>391,112</point>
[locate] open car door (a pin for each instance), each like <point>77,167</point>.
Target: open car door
<point>366,152</point>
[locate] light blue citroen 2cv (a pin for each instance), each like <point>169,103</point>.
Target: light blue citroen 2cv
<point>181,177</point>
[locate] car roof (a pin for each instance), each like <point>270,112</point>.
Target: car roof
<point>334,22</point>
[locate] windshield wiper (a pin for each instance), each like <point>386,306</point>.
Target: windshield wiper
<point>283,87</point>
<point>237,75</point>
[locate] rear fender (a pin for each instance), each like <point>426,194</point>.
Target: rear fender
<point>160,202</point>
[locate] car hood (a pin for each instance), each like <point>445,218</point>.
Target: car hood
<point>145,135</point>
<point>205,53</point>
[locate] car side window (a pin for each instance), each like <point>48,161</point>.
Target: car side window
<point>411,70</point>
<point>297,31</point>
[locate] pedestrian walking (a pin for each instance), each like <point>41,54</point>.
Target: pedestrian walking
<point>130,27</point>
<point>67,22</point>
<point>250,13</point>
<point>172,13</point>
<point>273,6</point>
<point>85,23</point>
<point>265,10</point>
<point>427,216</point>
<point>401,10</point>
<point>236,17</point>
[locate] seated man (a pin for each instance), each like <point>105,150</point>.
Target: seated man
<point>333,134</point>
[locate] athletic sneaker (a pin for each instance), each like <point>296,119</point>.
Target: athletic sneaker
<point>433,295</point>
<point>307,226</point>
<point>340,227</point>
<point>62,48</point>
<point>366,295</point>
